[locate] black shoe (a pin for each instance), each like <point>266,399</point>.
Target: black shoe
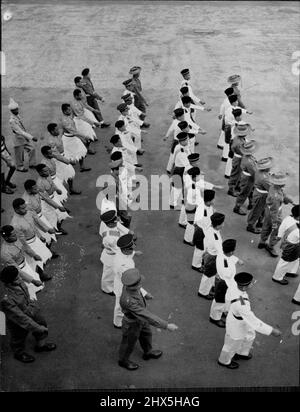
<point>188,243</point>
<point>207,297</point>
<point>220,323</point>
<point>140,152</point>
<point>239,211</point>
<point>224,159</point>
<point>61,231</point>
<point>196,143</point>
<point>47,347</point>
<point>24,357</point>
<point>259,225</point>
<point>261,245</point>
<point>44,277</point>
<point>11,185</point>
<point>154,354</point>
<point>242,357</point>
<point>91,151</point>
<point>295,301</point>
<point>117,327</point>
<point>250,206</point>
<point>232,193</point>
<point>197,269</point>
<point>131,366</point>
<point>145,125</point>
<point>103,125</point>
<point>232,365</point>
<point>253,230</point>
<point>7,190</point>
<point>55,255</point>
<point>75,192</point>
<point>181,225</point>
<point>291,275</point>
<point>172,207</point>
<point>85,169</point>
<point>272,251</point>
<point>108,293</point>
<point>227,177</point>
<point>219,146</point>
<point>281,282</point>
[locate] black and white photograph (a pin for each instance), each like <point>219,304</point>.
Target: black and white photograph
<point>149,199</point>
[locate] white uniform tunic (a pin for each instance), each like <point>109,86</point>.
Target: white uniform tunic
<point>241,324</point>
<point>201,219</point>
<point>133,128</point>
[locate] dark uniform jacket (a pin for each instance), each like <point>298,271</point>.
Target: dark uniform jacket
<point>18,307</point>
<point>134,308</point>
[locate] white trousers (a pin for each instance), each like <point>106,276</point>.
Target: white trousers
<point>225,151</point>
<point>221,140</point>
<point>136,132</point>
<point>233,346</point>
<point>182,216</point>
<point>189,232</point>
<point>118,314</point>
<point>283,267</point>
<point>228,167</point>
<point>217,309</point>
<point>192,144</point>
<point>175,196</point>
<point>197,258</point>
<point>170,162</point>
<point>206,284</point>
<point>297,294</point>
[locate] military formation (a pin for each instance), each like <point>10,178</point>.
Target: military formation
<point>30,237</point>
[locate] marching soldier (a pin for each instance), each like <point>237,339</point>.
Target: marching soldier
<point>248,170</point>
<point>273,212</point>
<point>226,269</point>
<point>241,132</point>
<point>92,97</point>
<point>22,316</point>
<point>187,83</point>
<point>22,140</point>
<point>123,261</point>
<point>137,320</point>
<point>212,246</point>
<point>234,81</point>
<point>260,193</point>
<point>136,87</point>
<point>224,106</point>
<point>18,254</point>
<point>6,162</point>
<point>241,325</point>
<point>133,110</point>
<point>288,232</point>
<point>202,222</point>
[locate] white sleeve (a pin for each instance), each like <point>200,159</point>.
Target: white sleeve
<point>192,96</point>
<point>222,109</point>
<point>194,106</point>
<point>282,228</point>
<point>171,129</point>
<point>255,323</point>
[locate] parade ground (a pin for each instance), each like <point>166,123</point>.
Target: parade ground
<point>46,45</point>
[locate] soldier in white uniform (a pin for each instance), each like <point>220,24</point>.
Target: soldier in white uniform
<point>288,232</point>
<point>129,155</point>
<point>131,124</point>
<point>224,106</point>
<point>136,113</point>
<point>226,270</point>
<point>22,140</point>
<point>110,237</point>
<point>127,137</point>
<point>123,261</point>
<point>181,153</point>
<point>202,222</point>
<point>187,82</point>
<point>212,246</point>
<point>241,325</point>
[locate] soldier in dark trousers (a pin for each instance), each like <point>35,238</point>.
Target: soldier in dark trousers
<point>260,193</point>
<point>22,316</point>
<point>136,321</point>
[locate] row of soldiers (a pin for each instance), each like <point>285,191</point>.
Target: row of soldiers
<point>28,240</point>
<point>194,197</point>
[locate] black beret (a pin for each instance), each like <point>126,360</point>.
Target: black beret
<point>184,90</point>
<point>229,245</point>
<point>122,107</point>
<point>228,91</point>
<point>237,112</point>
<point>182,136</point>
<point>194,157</point>
<point>117,155</point>
<point>185,71</point>
<point>209,195</point>
<point>186,99</point>
<point>217,218</point>
<point>109,216</point>
<point>295,211</point>
<point>194,171</point>
<point>183,125</point>
<point>125,241</point>
<point>179,112</point>
<point>233,98</point>
<point>243,278</point>
<point>7,230</point>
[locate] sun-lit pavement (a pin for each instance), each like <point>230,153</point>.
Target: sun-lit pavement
<point>45,48</point>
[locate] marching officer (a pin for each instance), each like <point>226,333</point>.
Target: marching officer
<point>136,87</point>
<point>22,316</point>
<point>6,162</point>
<point>273,212</point>
<point>260,193</point>
<point>22,140</point>
<point>137,320</point>
<point>241,325</point>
